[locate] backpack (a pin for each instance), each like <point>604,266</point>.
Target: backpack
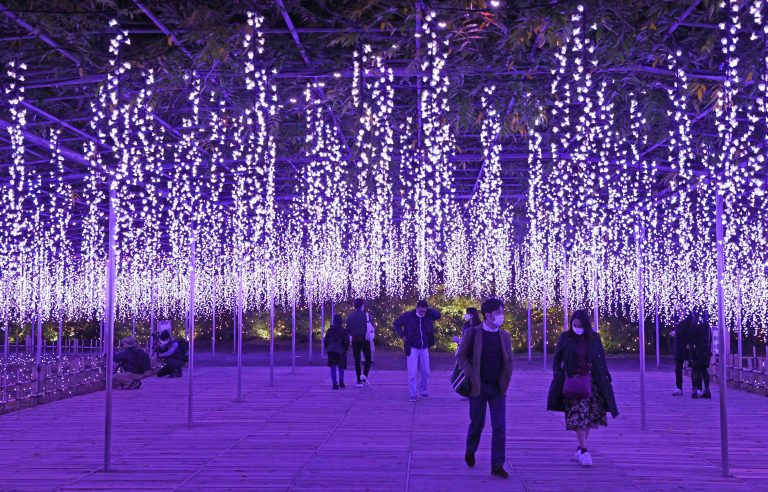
<point>183,348</point>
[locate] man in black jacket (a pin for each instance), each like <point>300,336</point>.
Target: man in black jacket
<point>171,352</point>
<point>417,330</point>
<point>134,364</point>
<point>357,327</point>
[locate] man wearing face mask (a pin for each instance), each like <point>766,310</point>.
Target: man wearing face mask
<point>485,356</point>
<point>417,330</point>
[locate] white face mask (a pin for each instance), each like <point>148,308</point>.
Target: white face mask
<point>498,319</point>
<point>467,317</point>
<point>419,315</point>
<point>578,331</point>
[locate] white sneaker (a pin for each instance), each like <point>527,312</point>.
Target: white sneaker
<point>359,385</point>
<point>677,392</point>
<point>586,459</point>
<point>365,380</point>
<point>577,456</point>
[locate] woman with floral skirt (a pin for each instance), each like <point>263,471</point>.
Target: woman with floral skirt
<point>581,386</point>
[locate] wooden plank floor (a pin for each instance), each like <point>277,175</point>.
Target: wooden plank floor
<point>300,435</point>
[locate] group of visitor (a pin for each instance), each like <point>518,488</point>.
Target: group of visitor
<point>132,363</point>
<point>693,344</point>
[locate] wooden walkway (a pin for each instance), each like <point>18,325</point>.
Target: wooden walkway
<point>300,435</point>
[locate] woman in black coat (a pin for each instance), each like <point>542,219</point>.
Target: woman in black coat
<point>700,341</point>
<point>587,395</point>
<point>336,345</point>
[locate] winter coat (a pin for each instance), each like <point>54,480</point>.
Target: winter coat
<point>336,346</point>
<point>700,339</point>
<point>469,358</point>
<point>357,324</point>
<point>419,333</point>
<point>680,350</point>
<point>565,363</point>
<point>133,360</point>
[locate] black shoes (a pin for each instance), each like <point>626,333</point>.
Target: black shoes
<point>469,459</point>
<point>335,386</point>
<point>136,384</point>
<point>342,385</point>
<point>499,471</point>
<point>707,394</point>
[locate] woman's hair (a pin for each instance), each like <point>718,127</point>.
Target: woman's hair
<point>583,317</point>
<point>338,320</point>
<point>472,311</point>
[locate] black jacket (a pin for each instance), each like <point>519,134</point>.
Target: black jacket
<point>336,338</point>
<point>419,333</point>
<point>700,339</point>
<point>133,360</point>
<point>357,324</point>
<point>565,363</point>
<point>681,341</point>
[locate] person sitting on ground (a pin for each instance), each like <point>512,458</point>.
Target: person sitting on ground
<point>133,363</point>
<point>337,344</point>
<point>171,353</point>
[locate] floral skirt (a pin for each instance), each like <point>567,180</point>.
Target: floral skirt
<point>586,414</point>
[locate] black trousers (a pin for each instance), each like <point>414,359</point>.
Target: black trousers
<point>170,368</point>
<point>363,346</point>
<point>491,397</point>
<point>679,373</point>
<point>699,374</point>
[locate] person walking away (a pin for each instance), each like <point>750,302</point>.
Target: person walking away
<point>471,319</point>
<point>485,356</point>
<point>581,386</point>
<point>357,327</point>
<point>700,336</point>
<point>680,346</point>
<point>337,345</point>
<point>134,364</point>
<point>417,330</point>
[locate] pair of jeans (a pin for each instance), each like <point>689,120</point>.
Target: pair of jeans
<point>363,346</point>
<point>699,374</point>
<point>170,368</point>
<point>679,374</point>
<point>490,396</point>
<point>418,365</point>
<point>333,374</point>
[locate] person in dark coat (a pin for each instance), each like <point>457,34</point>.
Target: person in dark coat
<point>471,319</point>
<point>680,347</point>
<point>588,394</point>
<point>417,330</point>
<point>357,327</point>
<point>700,340</point>
<point>337,345</point>
<point>134,364</point>
<point>485,356</point>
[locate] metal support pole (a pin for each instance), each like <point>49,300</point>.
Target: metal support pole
<point>109,329</point>
<point>293,336</point>
<point>546,307</point>
<point>213,321</point>
<point>272,327</point>
<point>310,327</point>
<point>530,355</point>
<point>596,308</point>
<point>565,295</point>
<point>721,339</point>
<point>133,327</point>
<point>234,326</point>
<point>739,347</point>
<point>7,315</point>
<point>59,342</point>
<point>322,329</point>
<point>239,315</point>
<point>641,323</point>
<point>658,332</point>
<point>152,313</point>
<point>191,325</point>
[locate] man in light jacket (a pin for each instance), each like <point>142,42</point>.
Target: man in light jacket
<point>485,356</point>
<point>417,330</point>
